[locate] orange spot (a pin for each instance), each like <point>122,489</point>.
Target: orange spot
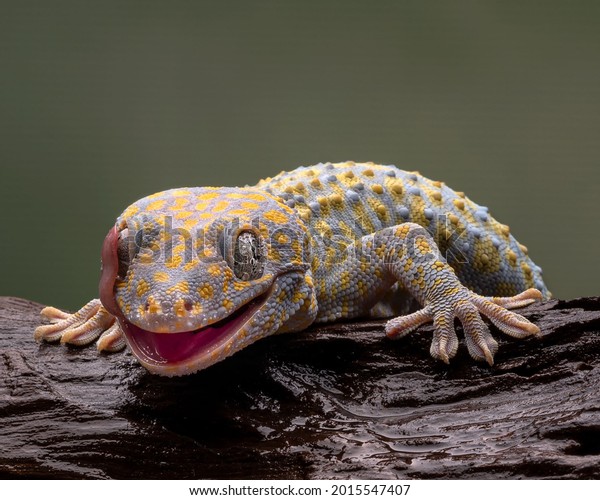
<point>179,203</point>
<point>142,288</point>
<point>175,262</point>
<point>275,216</point>
<point>397,188</point>
<point>256,197</point>
<point>241,285</point>
<point>206,291</point>
<point>460,204</point>
<point>161,277</point>
<point>153,306</point>
<point>132,210</point>
<point>182,287</point>
<point>282,239</point>
<point>208,196</point>
<point>145,258</point>
<point>179,308</point>
<point>190,223</point>
<point>156,205</point>
<point>220,206</point>
<point>237,212</point>
<point>236,196</point>
<point>335,198</point>
<point>402,231</point>
<point>214,270</point>
<point>181,192</point>
<point>190,265</point>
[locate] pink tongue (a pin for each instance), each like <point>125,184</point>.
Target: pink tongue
<point>165,348</point>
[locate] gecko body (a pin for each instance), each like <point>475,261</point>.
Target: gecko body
<point>193,275</point>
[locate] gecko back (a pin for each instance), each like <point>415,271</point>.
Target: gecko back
<point>342,202</point>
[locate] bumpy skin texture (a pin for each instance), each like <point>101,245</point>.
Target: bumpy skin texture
<point>193,275</point>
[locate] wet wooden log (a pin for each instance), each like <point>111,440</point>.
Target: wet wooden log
<point>338,401</point>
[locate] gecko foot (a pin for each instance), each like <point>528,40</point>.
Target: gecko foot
<point>468,306</point>
<point>82,327</point>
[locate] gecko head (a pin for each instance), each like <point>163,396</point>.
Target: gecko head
<point>194,275</point>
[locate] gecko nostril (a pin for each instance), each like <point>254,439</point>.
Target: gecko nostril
<point>187,303</point>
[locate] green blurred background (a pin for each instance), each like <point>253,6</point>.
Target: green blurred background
<point>104,102</point>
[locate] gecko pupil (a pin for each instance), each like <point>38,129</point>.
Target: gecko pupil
<point>248,258</point>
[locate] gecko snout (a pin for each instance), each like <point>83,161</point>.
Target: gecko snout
<point>168,314</point>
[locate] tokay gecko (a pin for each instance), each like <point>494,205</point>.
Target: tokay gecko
<point>193,275</point>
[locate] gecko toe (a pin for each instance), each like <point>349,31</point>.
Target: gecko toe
<point>112,340</point>
<point>403,325</point>
<point>445,342</point>
<point>522,299</point>
<point>509,322</point>
<point>480,343</point>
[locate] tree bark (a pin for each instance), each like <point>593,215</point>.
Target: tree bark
<point>337,401</point>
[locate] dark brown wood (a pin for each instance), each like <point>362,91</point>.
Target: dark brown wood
<point>338,401</point>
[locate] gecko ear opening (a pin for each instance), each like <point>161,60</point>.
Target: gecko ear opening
<point>109,271</point>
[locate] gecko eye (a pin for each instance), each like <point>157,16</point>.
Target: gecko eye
<point>248,256</point>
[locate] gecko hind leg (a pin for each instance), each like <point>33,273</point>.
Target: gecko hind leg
<point>82,327</point>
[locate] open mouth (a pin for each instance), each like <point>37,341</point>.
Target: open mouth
<point>171,349</point>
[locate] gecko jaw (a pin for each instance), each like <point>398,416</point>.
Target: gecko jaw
<point>182,353</point>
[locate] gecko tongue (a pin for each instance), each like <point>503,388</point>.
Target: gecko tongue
<point>163,349</point>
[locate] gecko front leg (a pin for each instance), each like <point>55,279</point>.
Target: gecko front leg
<point>83,327</point>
